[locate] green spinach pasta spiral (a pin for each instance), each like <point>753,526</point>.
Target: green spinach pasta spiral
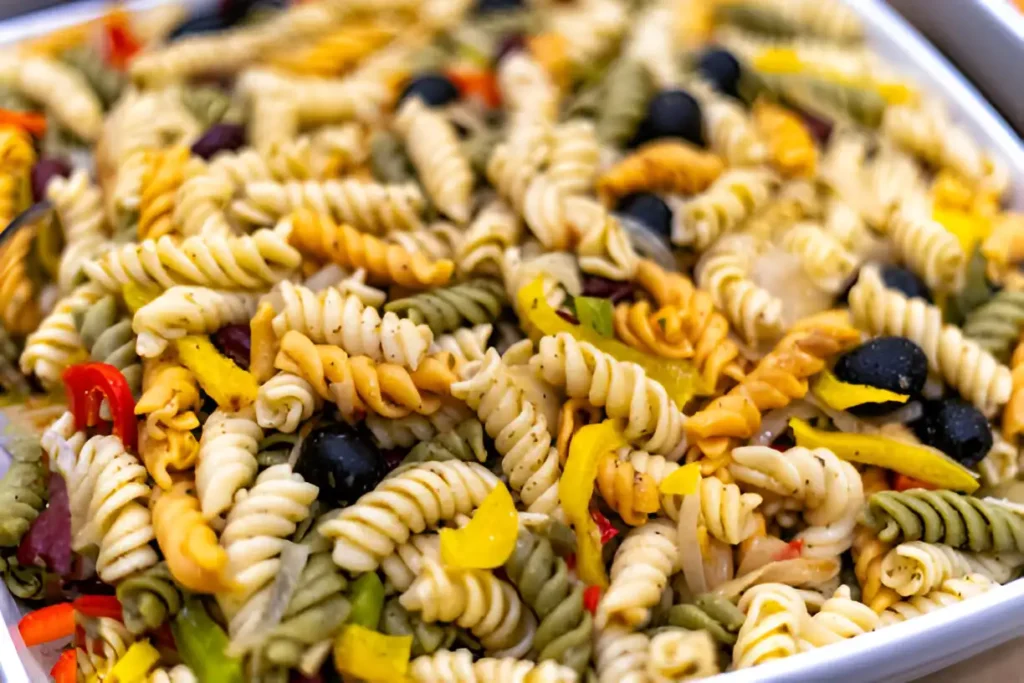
<point>712,613</point>
<point>149,598</point>
<point>464,442</point>
<point>626,89</point>
<point>388,161</point>
<point>427,639</point>
<point>832,99</point>
<point>945,517</point>
<point>997,324</point>
<point>448,308</point>
<point>543,579</point>
<point>22,492</point>
<point>107,335</point>
<point>25,583</point>
<point>106,81</point>
<point>209,105</point>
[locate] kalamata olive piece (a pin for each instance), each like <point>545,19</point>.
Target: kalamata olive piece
<point>45,170</point>
<point>603,288</point>
<point>234,341</point>
<point>956,428</point>
<point>219,137</point>
<point>342,461</point>
<point>892,363</point>
<point>435,89</point>
<point>721,69</point>
<point>513,42</point>
<point>649,210</point>
<point>672,113</point>
<point>905,281</point>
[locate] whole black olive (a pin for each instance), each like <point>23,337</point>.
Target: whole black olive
<point>433,88</point>
<point>672,113</point>
<point>45,170</point>
<point>956,428</point>
<point>487,6</point>
<point>342,461</point>
<point>892,363</point>
<point>721,69</point>
<point>650,211</point>
<point>218,138</point>
<point>204,23</point>
<point>905,281</point>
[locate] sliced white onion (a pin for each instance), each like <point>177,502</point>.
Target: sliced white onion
<point>775,422</point>
<point>844,421</point>
<point>801,571</point>
<point>647,243</point>
<point>689,547</point>
<point>293,561</point>
<point>761,552</point>
<point>718,566</point>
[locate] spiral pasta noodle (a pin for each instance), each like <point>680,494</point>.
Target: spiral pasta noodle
<point>407,503</point>
<point>565,628</point>
<point>79,205</point>
<point>494,229</point>
<point>318,236</point>
<point>19,307</point>
<point>427,639</point>
<point>149,598</point>
<point>996,325</point>
<point>792,150</point>
<point>951,592</point>
<point>464,442</point>
<point>518,427</point>
<point>169,402</point>
<point>774,615</point>
<point>403,432</point>
<point>824,258</point>
<point>446,309</point>
<point>65,92</point>
<point>725,274</point>
<point>710,613</point>
<point>678,654</point>
<point>465,343</point>
<point>730,131</point>
<point>434,150</point>
<point>107,335</point>
<point>575,155</point>
<point>1013,413</point>
<point>603,246</point>
<point>929,250</point>
<point>23,493</point>
<point>55,344</point>
<point>660,166</point>
<point>839,618</point>
<point>928,133</point>
<point>183,310</point>
<point>917,568</point>
<point>366,206</point>
<point>621,654</point>
<point>622,388</point>
<point>640,571</point>
<point>226,462</point>
<point>105,641</point>
<point>334,53</point>
<point>731,199</point>
<point>965,366</point>
<point>164,174</point>
<point>190,546</point>
<point>446,665</point>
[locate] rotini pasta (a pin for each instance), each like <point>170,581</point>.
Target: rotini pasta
<point>774,616</point>
<point>917,568</point>
<point>226,461</point>
<point>474,302</point>
<point>194,558</point>
<point>149,598</point>
<point>952,592</point>
<point>164,174</point>
<point>725,274</point>
<point>660,166</point>
<point>929,250</point>
<point>55,344</point>
<point>640,571</point>
<point>182,310</point>
<point>731,199</point>
<point>996,324</point>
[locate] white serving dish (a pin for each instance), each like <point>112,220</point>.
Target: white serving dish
<point>898,653</point>
<point>985,38</point>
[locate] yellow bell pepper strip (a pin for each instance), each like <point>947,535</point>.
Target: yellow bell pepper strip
<point>229,385</point>
<point>786,61</point>
<point>367,598</point>
<point>371,656</point>
<point>263,343</point>
<point>968,228</point>
<point>840,395</point>
<point>575,489</point>
<point>135,665</point>
<point>489,538</point>
<point>919,462</point>
<point>682,482</point>
<point>202,645</point>
<point>679,377</point>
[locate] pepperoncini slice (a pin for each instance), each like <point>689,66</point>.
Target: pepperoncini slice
<point>919,462</point>
<point>968,228</point>
<point>682,482</point>
<point>841,395</point>
<point>489,538</point>
<point>135,297</point>
<point>371,656</point>
<point>576,487</point>
<point>679,377</point>
<point>786,61</point>
<point>135,665</point>
<point>229,385</point>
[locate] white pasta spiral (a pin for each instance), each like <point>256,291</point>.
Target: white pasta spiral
<point>620,655</point>
<point>492,231</point>
<point>927,132</point>
<point>434,150</point>
<point>182,310</point>
<point>403,432</point>
<point>227,458</point>
<point>648,556</point>
<point>518,427</point>
<point>459,667</point>
<point>604,247</point>
<point>951,592</point>
<point>258,525</point>
<point>727,512</point>
<point>730,131</point>
<point>250,262</point>
<point>80,469</point>
<point>99,652</point>
<point>79,205</point>
<point>285,401</point>
<point>623,389</point>
<point>918,568</point>
<point>177,674</point>
<point>964,365</point>
<point>465,343</point>
<point>330,317</point>
<point>365,205</point>
<point>774,615</point>
<point>474,599</point>
<point>575,155</point>
<point>437,242</point>
<point>65,93</point>
<point>754,311</point>
<point>403,565</point>
<point>527,91</point>
<point>839,618</point>
<point>512,168</point>
<point>55,344</point>
<point>731,199</point>
<point>680,655</point>
<point>929,250</point>
<point>405,503</point>
<point>823,257</point>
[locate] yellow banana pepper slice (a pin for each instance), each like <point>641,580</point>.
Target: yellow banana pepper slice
<point>489,538</point>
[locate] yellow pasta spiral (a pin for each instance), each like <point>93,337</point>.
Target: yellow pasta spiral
<point>632,494</point>
<point>576,413</point>
<point>659,332</point>
<point>19,308</point>
<point>17,155</point>
<point>359,385</point>
<point>660,166</point>
<point>188,543</point>
<point>320,237</point>
<point>792,150</point>
<point>165,172</point>
<point>779,378</point>
<point>169,400</point>
<point>334,53</point>
<point>1013,413</point>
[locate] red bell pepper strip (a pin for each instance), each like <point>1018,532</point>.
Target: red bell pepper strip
<point>480,84</point>
<point>793,550</point>
<point>608,532</point>
<point>904,483</point>
<point>66,668</point>
<point>47,624</point>
<point>99,606</point>
<point>29,121</point>
<point>591,596</point>
<point>121,42</point>
<point>87,384</point>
